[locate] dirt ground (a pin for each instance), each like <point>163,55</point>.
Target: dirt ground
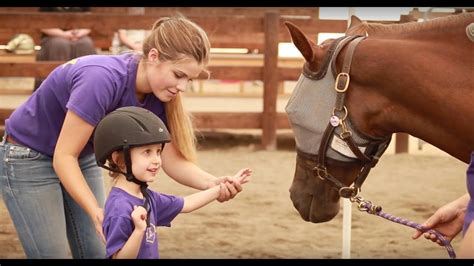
<point>261,222</point>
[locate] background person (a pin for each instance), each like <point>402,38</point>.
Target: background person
<point>64,44</point>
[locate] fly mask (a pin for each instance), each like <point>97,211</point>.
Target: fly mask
<point>319,96</point>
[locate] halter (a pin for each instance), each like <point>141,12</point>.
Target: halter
<point>339,125</point>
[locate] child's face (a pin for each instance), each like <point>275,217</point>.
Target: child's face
<point>146,161</point>
<point>167,79</point>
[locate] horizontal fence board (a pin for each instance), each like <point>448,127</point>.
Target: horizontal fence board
<point>191,11</point>
<point>213,120</point>
<point>112,22</point>
<point>38,69</point>
<point>231,120</point>
<point>223,31</point>
<point>43,68</point>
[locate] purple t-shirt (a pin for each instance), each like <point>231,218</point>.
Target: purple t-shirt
<point>90,86</point>
<point>469,217</point>
<point>118,224</point>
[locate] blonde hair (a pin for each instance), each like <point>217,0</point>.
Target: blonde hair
<point>177,38</point>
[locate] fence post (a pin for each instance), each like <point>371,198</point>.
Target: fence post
<point>270,80</point>
<point>401,142</point>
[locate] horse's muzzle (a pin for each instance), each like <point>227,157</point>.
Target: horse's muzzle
<point>315,200</point>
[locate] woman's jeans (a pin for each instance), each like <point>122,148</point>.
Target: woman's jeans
<point>49,223</point>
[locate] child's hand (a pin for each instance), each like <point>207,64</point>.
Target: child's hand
<point>242,175</point>
<point>231,185</point>
<point>139,217</point>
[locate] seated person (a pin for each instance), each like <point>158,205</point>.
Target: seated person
<point>131,40</point>
<point>64,44</point>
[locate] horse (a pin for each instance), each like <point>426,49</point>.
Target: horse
<point>357,90</point>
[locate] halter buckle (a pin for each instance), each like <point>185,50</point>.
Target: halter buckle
<point>321,169</point>
<point>347,192</point>
<point>344,108</point>
<point>346,85</point>
<point>346,134</point>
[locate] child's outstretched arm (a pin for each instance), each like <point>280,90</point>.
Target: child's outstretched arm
<point>132,246</point>
<point>202,198</point>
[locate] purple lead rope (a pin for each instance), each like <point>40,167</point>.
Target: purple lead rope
<point>377,210</point>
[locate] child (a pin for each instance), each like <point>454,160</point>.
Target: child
<point>131,139</point>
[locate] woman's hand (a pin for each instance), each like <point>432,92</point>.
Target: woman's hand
<point>447,220</point>
<point>98,217</point>
<point>232,185</point>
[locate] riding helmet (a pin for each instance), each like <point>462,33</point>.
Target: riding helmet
<point>127,127</point>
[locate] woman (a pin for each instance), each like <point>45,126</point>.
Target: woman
<point>51,183</point>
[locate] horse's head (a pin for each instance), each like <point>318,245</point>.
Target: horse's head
<point>331,154</point>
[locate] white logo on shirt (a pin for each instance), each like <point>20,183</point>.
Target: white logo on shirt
<point>151,233</point>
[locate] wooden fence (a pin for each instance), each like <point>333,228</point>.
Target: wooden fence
<point>252,28</point>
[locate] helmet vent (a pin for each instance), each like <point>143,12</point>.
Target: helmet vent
<point>140,124</point>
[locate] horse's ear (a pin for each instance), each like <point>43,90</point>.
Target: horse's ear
<point>355,21</point>
<point>356,27</point>
<point>301,41</point>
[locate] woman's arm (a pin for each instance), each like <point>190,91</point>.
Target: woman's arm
<point>184,171</point>
<point>73,137</point>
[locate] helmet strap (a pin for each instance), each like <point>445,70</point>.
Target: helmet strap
<point>143,185</point>
<point>128,163</point>
<point>146,204</point>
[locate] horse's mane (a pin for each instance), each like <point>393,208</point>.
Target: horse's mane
<point>410,27</point>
